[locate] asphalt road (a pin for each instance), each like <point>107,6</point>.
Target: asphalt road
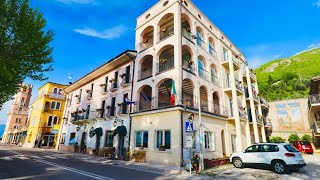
<point>19,163</point>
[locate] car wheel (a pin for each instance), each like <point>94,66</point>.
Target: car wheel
<point>237,162</point>
<point>279,167</point>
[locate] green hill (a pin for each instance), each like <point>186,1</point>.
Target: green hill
<point>289,78</point>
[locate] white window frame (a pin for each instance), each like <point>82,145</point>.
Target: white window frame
<point>163,139</point>
<point>55,105</point>
<point>135,139</point>
<point>210,140</point>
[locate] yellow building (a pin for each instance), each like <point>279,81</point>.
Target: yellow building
<point>46,116</point>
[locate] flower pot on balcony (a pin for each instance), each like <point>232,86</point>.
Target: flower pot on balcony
<point>163,61</point>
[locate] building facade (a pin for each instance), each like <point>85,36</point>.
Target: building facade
<point>46,116</point>
<point>185,65</point>
<point>314,110</point>
<point>289,116</point>
<point>98,106</point>
<point>16,127</point>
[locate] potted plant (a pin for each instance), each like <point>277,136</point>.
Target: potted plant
<point>88,90</point>
<point>102,85</point>
<point>122,75</point>
<point>163,61</point>
<point>162,148</point>
<point>195,162</point>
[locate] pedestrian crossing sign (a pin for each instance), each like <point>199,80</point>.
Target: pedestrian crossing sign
<point>189,127</point>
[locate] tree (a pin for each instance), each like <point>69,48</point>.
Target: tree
<point>270,80</point>
<point>277,139</point>
<point>24,46</point>
<point>293,137</point>
<point>306,137</point>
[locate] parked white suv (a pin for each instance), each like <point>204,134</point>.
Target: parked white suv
<point>281,157</point>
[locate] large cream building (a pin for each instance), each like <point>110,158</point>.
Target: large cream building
<point>178,46</point>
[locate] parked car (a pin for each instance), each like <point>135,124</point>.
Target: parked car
<point>280,156</point>
<point>303,146</point>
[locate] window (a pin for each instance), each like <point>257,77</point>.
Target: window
<point>55,105</point>
<point>115,84</point>
<point>106,84</point>
<point>72,138</point>
<point>163,139</point>
<point>63,138</point>
<point>290,148</point>
<point>142,139</point>
<point>20,110</point>
<point>49,124</point>
<point>124,104</point>
<point>87,112</point>
<point>127,77</point>
<point>253,148</point>
<point>109,139</point>
<point>70,101</point>
<point>208,140</point>
<point>60,91</point>
<point>103,104</point>
<point>225,54</point>
<point>22,102</point>
<point>199,38</point>
<point>113,106</point>
<point>55,120</point>
<point>55,90</point>
<point>269,148</point>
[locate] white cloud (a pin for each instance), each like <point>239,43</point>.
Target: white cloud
<point>317,3</point>
<point>311,46</point>
<point>78,1</point>
<point>112,33</point>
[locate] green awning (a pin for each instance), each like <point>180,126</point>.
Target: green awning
<point>121,130</point>
<point>98,131</point>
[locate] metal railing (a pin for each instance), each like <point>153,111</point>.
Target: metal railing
<point>252,74</point>
<point>226,83</point>
<point>166,33</point>
<point>89,96</point>
<point>146,45</point>
<point>314,99</point>
<point>242,113</point>
<point>213,52</point>
<point>259,119</point>
<point>263,101</point>
<point>239,85</point>
<point>145,74</point>
<point>203,73</point>
<point>56,96</point>
<point>316,127</point>
<point>201,43</point>
<point>126,80</point>
<point>188,64</point>
<point>187,34</point>
<point>166,65</point>
<point>114,86</point>
<point>215,80</point>
<point>266,121</point>
<point>123,109</point>
<point>235,60</point>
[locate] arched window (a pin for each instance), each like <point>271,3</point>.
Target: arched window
<point>166,26</point>
<point>145,98</point>
<point>146,67</point>
<point>55,90</point>
<point>22,102</point>
<point>204,98</point>
<point>164,93</point>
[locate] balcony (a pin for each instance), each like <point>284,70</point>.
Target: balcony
<point>126,80</point>
<point>242,113</point>
<point>203,73</point>
<point>264,103</point>
<point>166,63</point>
<point>227,86</point>
<point>186,33</point>
<point>314,102</point>
<point>213,52</point>
<point>239,87</point>
<point>252,76</point>
<point>236,63</point>
<point>123,108</point>
<point>111,111</point>
<point>316,127</point>
<point>165,33</point>
<point>114,85</point>
<point>78,99</point>
<point>104,89</point>
<point>55,96</point>
<point>89,95</point>
<point>187,62</point>
<point>259,119</point>
<point>255,97</point>
<point>215,80</point>
<point>267,122</point>
<point>148,43</point>
<point>83,117</point>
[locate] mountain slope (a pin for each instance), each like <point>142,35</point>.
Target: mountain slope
<point>289,78</point>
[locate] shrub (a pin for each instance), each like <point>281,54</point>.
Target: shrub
<point>293,137</point>
<point>306,137</point>
<point>277,139</point>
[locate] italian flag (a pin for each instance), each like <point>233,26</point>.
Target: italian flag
<point>173,94</point>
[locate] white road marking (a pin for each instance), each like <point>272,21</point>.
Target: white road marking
<point>7,158</point>
<point>137,169</point>
<point>88,174</point>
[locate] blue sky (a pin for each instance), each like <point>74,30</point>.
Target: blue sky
<point>89,32</point>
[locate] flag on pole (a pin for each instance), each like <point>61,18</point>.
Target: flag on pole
<point>173,94</point>
<point>128,102</point>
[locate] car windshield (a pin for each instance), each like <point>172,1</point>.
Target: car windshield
<point>290,148</point>
<point>304,143</point>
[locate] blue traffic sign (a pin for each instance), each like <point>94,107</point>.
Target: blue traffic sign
<point>189,127</point>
